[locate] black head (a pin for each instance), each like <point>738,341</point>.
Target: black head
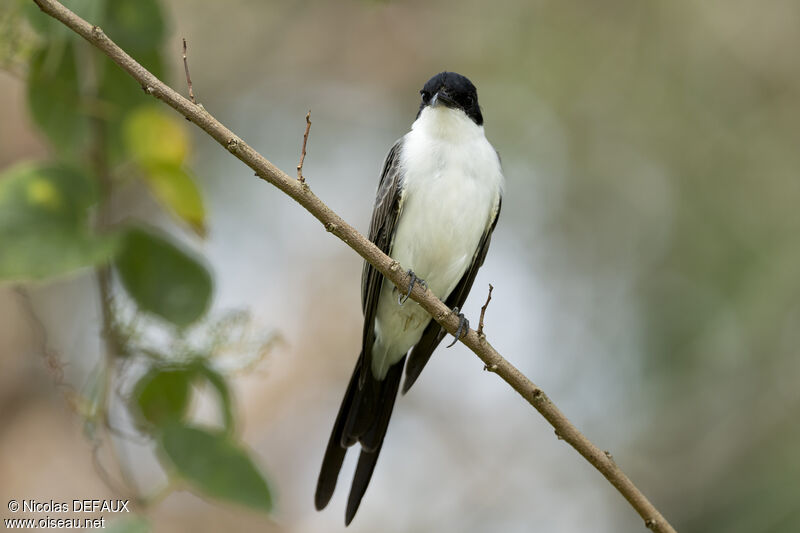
<point>454,91</point>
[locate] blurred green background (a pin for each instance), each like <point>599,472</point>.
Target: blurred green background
<point>645,265</point>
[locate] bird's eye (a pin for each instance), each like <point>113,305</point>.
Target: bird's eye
<point>425,95</point>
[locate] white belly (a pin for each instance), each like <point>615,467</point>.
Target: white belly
<point>451,191</point>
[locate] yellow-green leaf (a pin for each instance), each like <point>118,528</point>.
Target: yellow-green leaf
<point>175,189</point>
<point>153,137</point>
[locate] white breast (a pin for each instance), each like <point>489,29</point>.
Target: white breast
<point>452,185</point>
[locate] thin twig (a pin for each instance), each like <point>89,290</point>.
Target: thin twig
<point>300,177</point>
<point>483,312</point>
<point>389,268</point>
<point>52,358</point>
<point>188,78</point>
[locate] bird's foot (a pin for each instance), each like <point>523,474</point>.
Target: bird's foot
<point>414,279</point>
<point>463,326</point>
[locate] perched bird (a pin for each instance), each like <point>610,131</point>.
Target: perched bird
<point>437,204</point>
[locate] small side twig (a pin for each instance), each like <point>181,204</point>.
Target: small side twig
<point>188,78</point>
<point>300,177</point>
<point>483,311</point>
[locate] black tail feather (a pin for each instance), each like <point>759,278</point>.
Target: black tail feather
<point>366,465</point>
<point>368,394</point>
<point>363,416</point>
<point>372,440</point>
<point>334,453</point>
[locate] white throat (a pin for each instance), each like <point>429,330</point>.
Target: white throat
<point>445,123</point>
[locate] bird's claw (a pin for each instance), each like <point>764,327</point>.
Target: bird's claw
<point>463,326</point>
<point>414,279</point>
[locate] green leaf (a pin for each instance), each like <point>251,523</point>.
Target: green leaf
<point>215,465</point>
<point>163,279</point>
<point>44,228</point>
<point>133,524</point>
<point>162,395</point>
<point>54,97</point>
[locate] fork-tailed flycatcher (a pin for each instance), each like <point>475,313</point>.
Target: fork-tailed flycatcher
<point>437,203</point>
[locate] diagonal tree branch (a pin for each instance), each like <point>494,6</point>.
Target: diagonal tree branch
<point>301,193</point>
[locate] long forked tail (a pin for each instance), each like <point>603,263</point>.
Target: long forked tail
<point>363,417</point>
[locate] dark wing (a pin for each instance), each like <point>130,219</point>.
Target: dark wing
<point>434,333</point>
<point>381,232</point>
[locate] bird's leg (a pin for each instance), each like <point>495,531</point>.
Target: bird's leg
<point>463,326</point>
<point>414,279</point>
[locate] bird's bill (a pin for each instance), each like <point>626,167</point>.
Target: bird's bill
<point>442,98</point>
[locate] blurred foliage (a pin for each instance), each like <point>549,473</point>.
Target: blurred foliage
<point>216,465</point>
<point>52,223</point>
<point>44,213</point>
<point>16,46</point>
<point>55,100</point>
<point>162,395</point>
<point>162,164</point>
<point>162,278</point>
